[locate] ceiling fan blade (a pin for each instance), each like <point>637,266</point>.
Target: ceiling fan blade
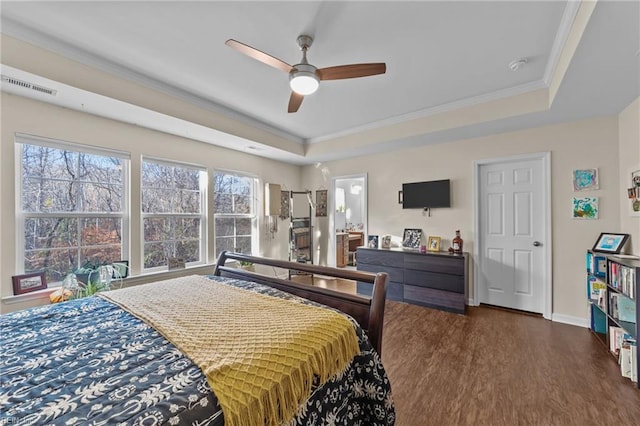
<point>352,71</point>
<point>294,101</point>
<point>259,55</point>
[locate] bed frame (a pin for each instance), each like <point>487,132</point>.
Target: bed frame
<point>369,312</point>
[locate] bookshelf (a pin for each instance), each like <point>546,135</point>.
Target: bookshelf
<point>612,291</point>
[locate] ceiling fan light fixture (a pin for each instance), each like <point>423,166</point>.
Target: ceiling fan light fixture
<point>304,82</point>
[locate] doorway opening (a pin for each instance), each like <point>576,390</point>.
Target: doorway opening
<point>348,223</point>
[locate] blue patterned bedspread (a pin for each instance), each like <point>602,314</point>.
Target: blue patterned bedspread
<point>89,362</point>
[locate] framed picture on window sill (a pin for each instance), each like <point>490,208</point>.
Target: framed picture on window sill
<point>28,283</point>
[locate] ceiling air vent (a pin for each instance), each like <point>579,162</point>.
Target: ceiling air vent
<point>28,85</point>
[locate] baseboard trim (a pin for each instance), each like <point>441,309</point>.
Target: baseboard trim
<point>564,319</point>
<point>571,320</point>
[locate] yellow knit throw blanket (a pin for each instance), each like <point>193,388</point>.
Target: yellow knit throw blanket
<point>259,353</point>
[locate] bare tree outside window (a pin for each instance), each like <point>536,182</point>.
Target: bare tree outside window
<point>234,208</point>
<point>172,213</point>
<point>72,208</point>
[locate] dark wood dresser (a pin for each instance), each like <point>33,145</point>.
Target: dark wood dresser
<point>434,279</point>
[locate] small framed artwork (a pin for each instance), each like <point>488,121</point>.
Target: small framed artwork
<point>411,238</point>
<point>372,241</point>
<point>284,205</point>
<point>321,203</point>
<point>433,243</point>
<point>585,208</point>
<point>385,242</point>
<point>633,192</point>
<point>29,282</point>
<point>120,269</point>
<point>585,180</point>
<point>609,242</point>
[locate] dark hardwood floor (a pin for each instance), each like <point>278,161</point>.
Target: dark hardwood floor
<point>497,367</point>
<point>494,367</point>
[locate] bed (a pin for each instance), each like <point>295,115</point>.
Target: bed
<point>93,362</point>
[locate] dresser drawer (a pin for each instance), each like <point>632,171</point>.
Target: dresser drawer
<point>381,257</point>
<point>444,264</point>
<point>445,300</point>
<point>454,283</point>
<point>395,274</point>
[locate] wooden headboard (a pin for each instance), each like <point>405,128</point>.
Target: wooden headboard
<point>369,312</point>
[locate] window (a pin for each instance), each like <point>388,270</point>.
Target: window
<point>72,206</point>
<point>235,212</point>
<point>173,214</point>
<point>340,200</point>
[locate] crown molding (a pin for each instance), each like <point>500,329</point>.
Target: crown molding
<point>448,107</point>
<point>28,34</point>
<point>55,45</point>
<point>569,15</point>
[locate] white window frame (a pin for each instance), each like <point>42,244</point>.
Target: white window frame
<point>254,209</point>
<point>202,215</point>
<point>22,139</point>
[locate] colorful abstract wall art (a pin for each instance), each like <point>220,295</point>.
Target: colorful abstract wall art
<point>585,208</point>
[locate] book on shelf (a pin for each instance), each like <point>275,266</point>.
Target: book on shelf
<point>600,266</point>
<point>625,360</point>
<point>617,336</point>
<point>613,305</point>
<point>594,285</point>
<point>602,299</point>
<point>596,264</point>
<point>626,309</point>
<point>622,278</point>
<point>628,360</point>
<point>634,362</point>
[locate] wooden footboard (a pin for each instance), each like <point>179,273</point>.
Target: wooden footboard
<point>369,312</point>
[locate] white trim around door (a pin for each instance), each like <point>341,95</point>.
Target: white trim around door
<point>545,160</point>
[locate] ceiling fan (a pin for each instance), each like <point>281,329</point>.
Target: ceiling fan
<point>305,78</point>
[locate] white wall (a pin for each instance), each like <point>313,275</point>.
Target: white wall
<point>32,117</point>
<point>629,157</point>
<point>583,144</point>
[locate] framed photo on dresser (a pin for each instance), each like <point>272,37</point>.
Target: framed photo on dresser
<point>411,238</point>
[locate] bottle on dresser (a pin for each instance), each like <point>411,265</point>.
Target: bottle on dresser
<point>457,243</point>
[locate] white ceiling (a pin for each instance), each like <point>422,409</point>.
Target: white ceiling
<point>440,56</point>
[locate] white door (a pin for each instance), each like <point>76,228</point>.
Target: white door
<point>513,237</point>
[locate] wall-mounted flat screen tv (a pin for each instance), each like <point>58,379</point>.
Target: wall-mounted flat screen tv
<point>418,195</point>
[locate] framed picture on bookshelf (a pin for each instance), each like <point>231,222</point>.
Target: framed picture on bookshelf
<point>610,243</point>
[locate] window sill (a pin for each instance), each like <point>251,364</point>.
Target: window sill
<point>34,295</point>
<point>126,282</point>
<point>165,275</point>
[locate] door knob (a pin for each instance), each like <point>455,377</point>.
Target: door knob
<point>537,243</point>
